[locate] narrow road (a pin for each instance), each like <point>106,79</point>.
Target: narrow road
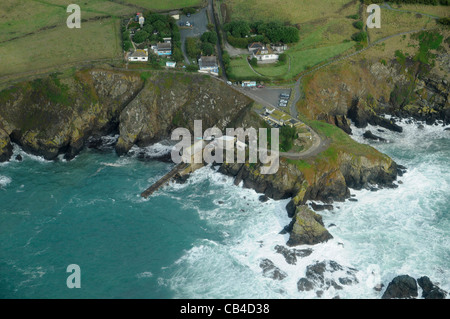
<point>212,16</point>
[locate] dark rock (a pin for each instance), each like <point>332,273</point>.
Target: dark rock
<point>352,199</point>
<point>420,127</point>
<point>447,129</point>
<point>318,275</point>
<point>400,182</point>
<point>401,287</point>
<point>263,198</point>
<point>271,271</point>
<point>290,255</point>
<point>19,158</point>
<point>220,202</point>
<point>381,131</point>
<point>378,287</point>
<point>347,281</point>
<point>318,207</point>
<point>370,136</point>
<point>305,285</point>
<point>181,179</point>
<point>331,225</point>
<point>307,228</point>
<point>430,291</point>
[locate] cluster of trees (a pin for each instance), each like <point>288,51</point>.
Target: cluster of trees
<point>165,27</point>
<point>287,136</point>
<point>203,46</point>
<point>241,33</point>
<point>432,2</point>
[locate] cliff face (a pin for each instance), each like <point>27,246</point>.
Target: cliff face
<point>53,116</point>
<point>50,116</point>
<point>176,101</point>
<point>414,84</point>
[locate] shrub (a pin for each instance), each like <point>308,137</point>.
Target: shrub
<point>358,25</point>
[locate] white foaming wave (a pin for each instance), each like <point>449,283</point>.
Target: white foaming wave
<point>17,150</point>
<point>156,150</point>
<point>4,181</point>
<point>403,230</point>
<point>145,274</point>
<point>231,268</point>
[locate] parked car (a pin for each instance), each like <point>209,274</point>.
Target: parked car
<point>283,101</point>
<point>188,14</point>
<point>261,86</point>
<point>188,24</point>
<point>229,83</point>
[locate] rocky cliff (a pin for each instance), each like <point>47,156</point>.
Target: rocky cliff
<point>56,115</point>
<point>403,77</point>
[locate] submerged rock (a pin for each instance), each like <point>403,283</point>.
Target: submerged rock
<point>321,275</point>
<point>370,136</point>
<point>307,228</point>
<point>290,255</point>
<point>271,271</point>
<point>318,207</point>
<point>403,286</point>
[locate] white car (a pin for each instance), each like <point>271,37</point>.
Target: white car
<point>188,24</point>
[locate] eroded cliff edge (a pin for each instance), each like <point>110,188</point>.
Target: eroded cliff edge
<point>56,115</point>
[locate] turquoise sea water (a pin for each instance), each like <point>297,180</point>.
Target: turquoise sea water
<point>206,238</point>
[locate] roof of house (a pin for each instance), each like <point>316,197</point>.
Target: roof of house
<point>139,54</point>
<point>207,62</point>
<point>266,49</point>
<point>255,45</point>
<point>164,46</point>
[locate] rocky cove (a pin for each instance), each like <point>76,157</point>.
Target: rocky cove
<point>55,116</point>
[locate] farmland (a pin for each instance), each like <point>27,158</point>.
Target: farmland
<point>41,42</point>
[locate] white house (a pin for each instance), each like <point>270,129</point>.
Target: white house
<point>141,19</point>
<point>139,55</point>
<point>208,64</point>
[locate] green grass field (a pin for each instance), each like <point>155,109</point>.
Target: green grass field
<point>293,11</point>
<point>61,46</point>
<point>165,4</point>
<point>34,37</point>
<point>240,68</point>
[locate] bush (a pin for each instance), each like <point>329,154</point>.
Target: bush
<point>358,25</point>
<point>140,36</point>
<point>210,37</point>
<point>253,62</point>
<point>360,36</point>
<point>207,48</point>
<point>127,45</point>
<point>282,57</point>
<point>192,68</point>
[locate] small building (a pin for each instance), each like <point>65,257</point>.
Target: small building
<point>139,18</point>
<point>164,49</point>
<point>171,64</point>
<point>248,84</point>
<point>278,47</point>
<point>139,55</point>
<point>175,15</point>
<point>167,40</point>
<point>208,64</point>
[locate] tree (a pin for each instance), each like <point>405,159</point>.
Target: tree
<point>192,48</point>
<point>210,37</point>
<point>254,62</point>
<point>360,36</point>
<point>282,57</point>
<point>140,36</point>
<point>127,45</point>
<point>207,48</point>
<point>358,25</point>
<point>177,55</point>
